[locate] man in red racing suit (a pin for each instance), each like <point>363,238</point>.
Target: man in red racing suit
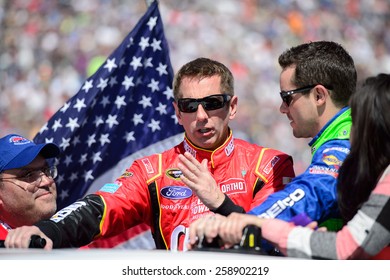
<point>151,191</point>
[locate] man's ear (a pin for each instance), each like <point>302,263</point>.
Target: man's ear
<point>320,95</point>
<point>177,112</point>
<point>233,107</point>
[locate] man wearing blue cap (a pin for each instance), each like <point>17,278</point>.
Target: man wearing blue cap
<point>27,188</point>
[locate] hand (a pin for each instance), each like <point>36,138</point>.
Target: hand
<point>204,228</point>
<point>20,237</point>
<point>231,229</point>
<point>197,177</point>
<point>314,226</point>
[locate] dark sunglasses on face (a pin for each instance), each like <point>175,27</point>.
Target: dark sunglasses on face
<point>287,95</point>
<point>209,103</point>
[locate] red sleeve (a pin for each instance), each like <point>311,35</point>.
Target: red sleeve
<point>274,170</point>
<point>3,232</point>
<point>129,204</point>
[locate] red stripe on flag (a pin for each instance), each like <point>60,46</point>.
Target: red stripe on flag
<point>116,240</point>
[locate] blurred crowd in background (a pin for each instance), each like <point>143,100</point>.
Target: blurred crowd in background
<point>49,48</point>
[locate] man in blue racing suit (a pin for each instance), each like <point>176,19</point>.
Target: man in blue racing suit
<point>316,82</point>
<point>314,191</point>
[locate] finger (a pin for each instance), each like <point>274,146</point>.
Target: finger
<point>235,228</point>
<point>183,160</point>
<point>192,241</point>
<point>190,158</point>
<point>192,163</point>
<point>231,230</point>
<point>183,164</point>
<point>228,245</point>
<point>49,244</point>
<point>187,171</point>
<point>192,238</point>
<point>312,225</point>
<point>224,231</point>
<point>204,164</point>
<point>187,176</point>
<point>196,231</point>
<point>322,229</point>
<point>188,161</point>
<point>19,238</point>
<point>211,228</point>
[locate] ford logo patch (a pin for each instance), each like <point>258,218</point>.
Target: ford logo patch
<point>176,192</point>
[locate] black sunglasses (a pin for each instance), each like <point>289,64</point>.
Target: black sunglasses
<point>287,95</point>
<point>209,103</point>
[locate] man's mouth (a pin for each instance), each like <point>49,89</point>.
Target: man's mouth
<point>204,130</point>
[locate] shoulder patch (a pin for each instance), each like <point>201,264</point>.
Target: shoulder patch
<point>148,165</point>
<point>339,149</point>
<point>324,170</point>
<point>267,169</point>
<point>173,173</point>
<point>331,160</point>
<point>127,174</point>
<point>110,188</point>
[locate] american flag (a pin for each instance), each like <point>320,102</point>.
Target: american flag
<point>122,112</point>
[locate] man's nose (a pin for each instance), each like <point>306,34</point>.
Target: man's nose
<point>201,113</point>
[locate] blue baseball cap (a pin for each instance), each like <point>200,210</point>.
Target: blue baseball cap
<point>17,151</point>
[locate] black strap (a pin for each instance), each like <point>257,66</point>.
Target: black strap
<point>158,238</point>
<point>259,185</point>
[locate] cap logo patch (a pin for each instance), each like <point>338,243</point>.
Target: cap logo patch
<point>18,140</point>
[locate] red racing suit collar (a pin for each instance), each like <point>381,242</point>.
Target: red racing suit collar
<point>219,155</point>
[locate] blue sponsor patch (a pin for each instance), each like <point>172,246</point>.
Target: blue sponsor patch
<point>176,192</point>
<point>110,188</point>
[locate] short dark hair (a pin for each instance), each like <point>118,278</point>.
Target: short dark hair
<point>201,68</point>
<point>323,62</point>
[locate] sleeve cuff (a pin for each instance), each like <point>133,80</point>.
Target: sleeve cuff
<point>51,230</point>
<point>227,207</point>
